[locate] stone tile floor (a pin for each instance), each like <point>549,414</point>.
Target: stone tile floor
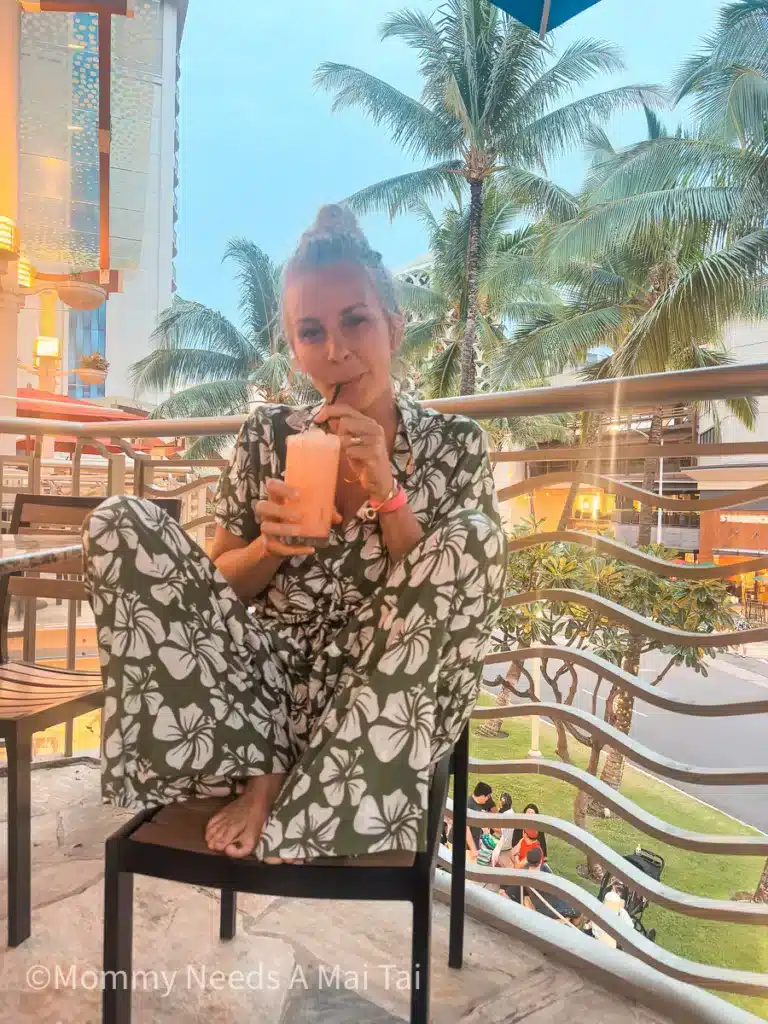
<point>293,961</point>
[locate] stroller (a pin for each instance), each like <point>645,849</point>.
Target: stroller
<point>651,864</point>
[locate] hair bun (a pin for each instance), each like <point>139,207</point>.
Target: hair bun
<point>334,219</point>
<point>336,238</point>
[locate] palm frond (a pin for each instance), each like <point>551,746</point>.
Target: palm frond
<point>192,324</point>
<point>504,276</point>
<point>520,60</point>
<point>395,195</point>
<point>165,369</point>
<point>422,211</point>
<point>271,376</point>
<point>555,133</point>
<point>746,410</point>
<point>417,30</point>
<point>214,398</point>
<point>551,344</point>
<point>211,446</point>
<point>259,301</point>
<point>719,287</point>
<point>442,372</point>
<point>420,338</point>
<point>537,195</point>
<point>576,65</point>
<point>420,300</point>
<point>602,228</point>
<point>656,129</point>
<point>410,124</point>
<point>733,104</point>
<point>671,162</point>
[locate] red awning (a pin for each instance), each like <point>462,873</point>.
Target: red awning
<point>48,406</point>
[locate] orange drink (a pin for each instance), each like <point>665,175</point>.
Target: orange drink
<point>311,467</point>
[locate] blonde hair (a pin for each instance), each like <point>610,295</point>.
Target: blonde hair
<point>336,237</point>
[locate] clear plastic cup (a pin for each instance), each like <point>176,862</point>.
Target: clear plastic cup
<point>311,468</point>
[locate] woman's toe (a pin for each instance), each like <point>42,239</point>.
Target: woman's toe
<point>220,834</point>
<point>239,848</point>
<point>212,832</point>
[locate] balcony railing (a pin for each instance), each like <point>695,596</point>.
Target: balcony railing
<point>559,660</point>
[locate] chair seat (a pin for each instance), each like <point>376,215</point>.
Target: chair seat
<point>181,826</point>
<point>27,690</point>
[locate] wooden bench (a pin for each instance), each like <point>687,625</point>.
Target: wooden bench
<point>34,697</point>
<point>169,843</point>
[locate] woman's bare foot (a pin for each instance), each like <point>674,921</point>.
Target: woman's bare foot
<point>236,828</point>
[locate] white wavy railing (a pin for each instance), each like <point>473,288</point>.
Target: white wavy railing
<point>636,752</point>
<point>635,623</point>
<point>724,979</point>
<point>611,486</point>
<point>613,549</point>
<point>733,911</point>
<point>637,687</point>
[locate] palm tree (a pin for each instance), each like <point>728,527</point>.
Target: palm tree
<point>727,83</point>
<point>509,288</point>
<point>703,196</point>
<point>489,106</point>
<point>638,293</point>
<point>222,369</point>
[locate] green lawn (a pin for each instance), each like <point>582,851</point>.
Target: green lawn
<point>728,945</point>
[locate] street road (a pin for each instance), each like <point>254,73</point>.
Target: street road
<point>705,742</point>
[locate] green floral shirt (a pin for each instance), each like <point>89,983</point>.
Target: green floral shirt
<point>441,461</point>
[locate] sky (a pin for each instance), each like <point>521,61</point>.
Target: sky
<point>260,150</point>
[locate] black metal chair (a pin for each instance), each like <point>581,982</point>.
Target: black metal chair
<point>169,843</point>
<point>35,697</point>
<point>460,770</point>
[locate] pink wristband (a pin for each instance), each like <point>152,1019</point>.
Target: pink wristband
<point>392,504</point>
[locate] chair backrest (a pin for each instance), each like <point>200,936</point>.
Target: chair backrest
<point>59,514</point>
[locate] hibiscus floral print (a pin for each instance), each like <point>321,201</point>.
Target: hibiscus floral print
<point>350,674</point>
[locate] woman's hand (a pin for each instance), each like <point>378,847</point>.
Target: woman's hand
<point>277,520</point>
<point>365,445</point>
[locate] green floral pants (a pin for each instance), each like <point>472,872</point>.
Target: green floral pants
<point>201,694</point>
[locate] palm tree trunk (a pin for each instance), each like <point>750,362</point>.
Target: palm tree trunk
<point>492,727</point>
<point>592,431</point>
<point>650,471</point>
<point>567,512</point>
<point>622,706</point>
<point>473,258</point>
<point>613,769</point>
<point>761,892</point>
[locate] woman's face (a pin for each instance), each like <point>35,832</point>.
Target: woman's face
<point>340,334</point>
<point>531,832</point>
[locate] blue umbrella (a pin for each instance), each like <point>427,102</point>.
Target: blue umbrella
<point>542,15</point>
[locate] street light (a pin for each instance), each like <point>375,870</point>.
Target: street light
<point>535,719</point>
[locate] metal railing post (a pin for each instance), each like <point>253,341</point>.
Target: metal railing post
<point>142,474</point>
<point>116,475</point>
<point>76,466</point>
<point>35,469</point>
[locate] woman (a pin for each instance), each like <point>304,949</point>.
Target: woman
<point>527,839</point>
<point>319,686</point>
